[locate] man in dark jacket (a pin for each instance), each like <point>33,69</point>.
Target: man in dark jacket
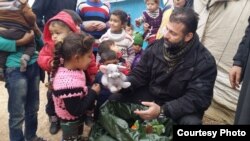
<point>240,72</point>
<point>176,74</point>
<point>46,9</point>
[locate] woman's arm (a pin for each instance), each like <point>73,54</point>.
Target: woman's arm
<point>7,45</point>
<point>10,45</point>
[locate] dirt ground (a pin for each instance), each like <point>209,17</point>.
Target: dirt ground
<point>43,123</point>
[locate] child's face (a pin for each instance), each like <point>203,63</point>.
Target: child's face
<point>179,3</point>
<point>129,30</point>
<point>115,24</point>
<point>152,6</point>
<point>82,62</point>
<point>137,48</point>
<point>58,33</point>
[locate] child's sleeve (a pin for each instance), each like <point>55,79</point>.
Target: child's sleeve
<point>131,54</point>
<point>78,106</point>
<point>7,45</point>
<point>45,58</point>
<point>92,69</point>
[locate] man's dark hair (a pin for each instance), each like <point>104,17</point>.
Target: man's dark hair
<point>186,16</point>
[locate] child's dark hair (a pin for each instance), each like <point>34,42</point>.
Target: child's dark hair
<point>108,55</point>
<point>122,15</point>
<point>105,46</point>
<point>76,18</point>
<point>73,43</point>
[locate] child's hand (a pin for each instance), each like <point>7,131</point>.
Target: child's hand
<point>128,65</point>
<point>60,38</point>
<point>145,27</point>
<point>137,22</point>
<point>96,87</point>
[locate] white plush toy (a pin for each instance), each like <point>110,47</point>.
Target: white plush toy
<point>113,78</point>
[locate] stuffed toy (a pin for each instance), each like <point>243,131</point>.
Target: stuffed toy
<point>113,78</point>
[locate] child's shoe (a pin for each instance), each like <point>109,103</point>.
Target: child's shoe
<point>55,125</point>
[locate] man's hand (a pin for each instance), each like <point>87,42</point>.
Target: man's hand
<point>234,76</point>
<point>27,38</point>
<point>152,112</point>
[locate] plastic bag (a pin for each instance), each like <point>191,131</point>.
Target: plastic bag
<point>115,122</point>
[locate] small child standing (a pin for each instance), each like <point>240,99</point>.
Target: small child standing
<point>137,46</point>
<point>118,21</point>
<point>151,18</point>
<point>55,29</point>
<point>107,57</point>
<point>17,18</point>
<point>71,96</point>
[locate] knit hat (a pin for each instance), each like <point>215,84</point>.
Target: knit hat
<point>138,39</point>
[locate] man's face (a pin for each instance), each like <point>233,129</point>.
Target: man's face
<point>174,35</point>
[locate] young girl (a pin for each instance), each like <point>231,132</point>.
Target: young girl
<point>55,30</point>
<point>152,20</point>
<point>70,93</point>
<point>118,21</point>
